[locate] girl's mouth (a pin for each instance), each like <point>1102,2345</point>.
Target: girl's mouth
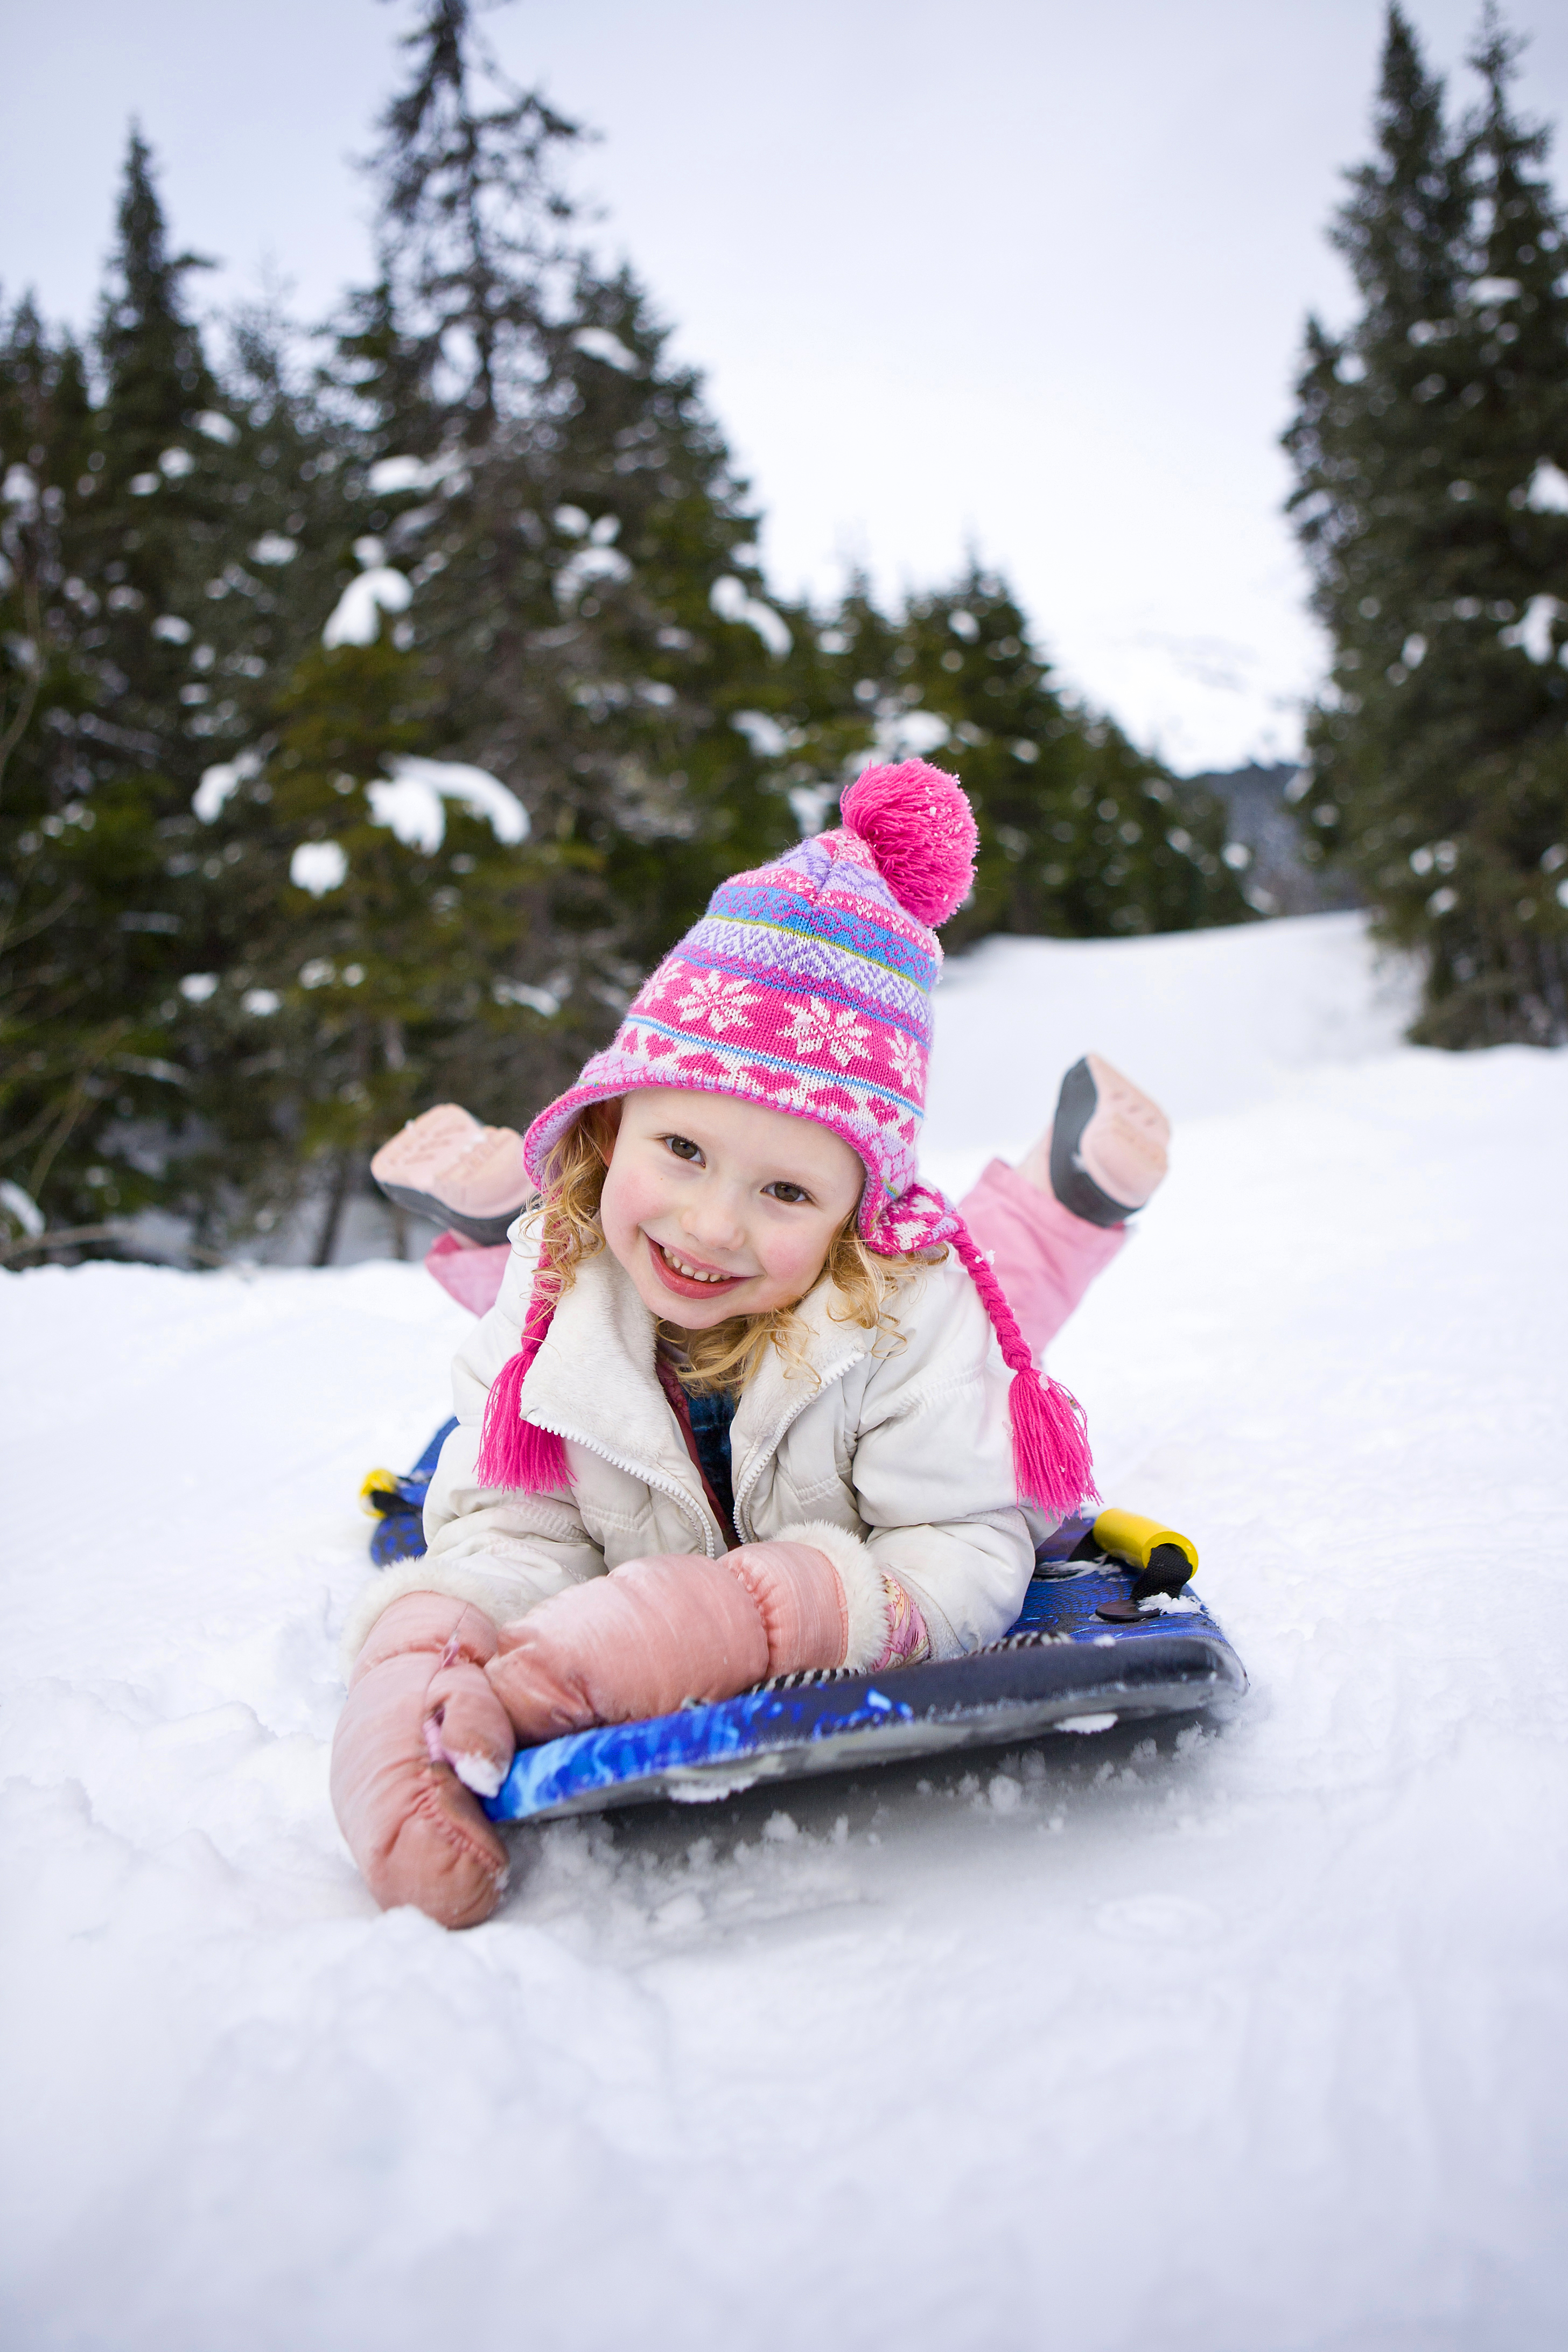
<point>685,1277</point>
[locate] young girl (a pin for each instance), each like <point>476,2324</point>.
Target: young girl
<point>752,1398</point>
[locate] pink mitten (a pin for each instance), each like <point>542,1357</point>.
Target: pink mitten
<point>421,1721</point>
<point>656,1631</point>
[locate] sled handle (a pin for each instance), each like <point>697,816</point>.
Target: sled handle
<point>1133,1540</point>
<point>378,1490</point>
<point>1164,1560</point>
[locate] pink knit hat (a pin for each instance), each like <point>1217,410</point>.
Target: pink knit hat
<point>806,988</point>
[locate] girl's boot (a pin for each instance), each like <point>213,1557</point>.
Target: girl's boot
<point>445,1166</point>
<point>1106,1151</point>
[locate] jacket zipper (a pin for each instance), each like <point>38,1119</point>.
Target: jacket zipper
<point>708,1524</point>
<point>765,1453</point>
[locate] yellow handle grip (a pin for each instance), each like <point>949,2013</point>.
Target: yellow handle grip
<point>1127,1536</point>
<point>376,1482</point>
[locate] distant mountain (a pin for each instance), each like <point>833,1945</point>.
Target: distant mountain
<point>1278,880</point>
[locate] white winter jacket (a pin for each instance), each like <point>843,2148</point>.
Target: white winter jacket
<point>890,1455</point>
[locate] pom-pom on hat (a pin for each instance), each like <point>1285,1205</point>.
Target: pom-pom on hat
<point>807,988</point>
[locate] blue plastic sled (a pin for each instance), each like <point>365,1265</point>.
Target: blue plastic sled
<point>1061,1667</point>
<point>1088,1651</point>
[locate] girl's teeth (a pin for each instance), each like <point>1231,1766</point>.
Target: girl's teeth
<point>692,1273</point>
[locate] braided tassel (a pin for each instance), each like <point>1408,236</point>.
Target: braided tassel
<point>512,1453</point>
<point>1052,1466</point>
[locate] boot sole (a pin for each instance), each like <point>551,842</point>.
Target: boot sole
<point>488,1232</point>
<point>429,1143</point>
<point>1138,1125</point>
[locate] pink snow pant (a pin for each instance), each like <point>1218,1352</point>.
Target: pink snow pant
<point>1044,1258</point>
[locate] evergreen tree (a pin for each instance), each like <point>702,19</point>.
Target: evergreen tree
<point>603,648</point>
<point>95,788</point>
<point>157,507</point>
<point>1431,452</point>
<point>364,923</point>
<point>586,610</point>
<point>153,538</point>
<point>471,213</point>
<point>275,575</point>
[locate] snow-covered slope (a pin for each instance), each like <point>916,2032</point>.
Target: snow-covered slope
<point>1209,1021</point>
<point>1243,2044</point>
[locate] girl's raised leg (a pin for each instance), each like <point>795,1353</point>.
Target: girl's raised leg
<point>446,1166</point>
<point>1059,1217</point>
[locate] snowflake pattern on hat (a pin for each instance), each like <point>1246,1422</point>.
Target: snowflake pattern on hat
<point>804,988</point>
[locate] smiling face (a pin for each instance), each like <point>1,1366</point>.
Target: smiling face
<point>717,1208</point>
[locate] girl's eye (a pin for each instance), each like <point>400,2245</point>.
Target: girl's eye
<point>683,1147</point>
<point>790,1192</point>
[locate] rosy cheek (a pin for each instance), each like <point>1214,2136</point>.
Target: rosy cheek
<point>794,1260</point>
<point>630,1198</point>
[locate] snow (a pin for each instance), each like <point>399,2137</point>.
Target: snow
<point>218,784</point>
<point>414,804</point>
<point>767,738</point>
<point>579,572</point>
<point>733,601</point>
<point>22,1206</point>
<point>411,803</point>
<point>1548,492</point>
<point>20,489</point>
<point>1247,2042</point>
<point>389,475</point>
<point>1532,632</point>
<point>355,618</point>
<point>1208,1020</point>
<point>908,734</point>
<point>519,991</point>
<point>600,344</point>
<point>318,866</point>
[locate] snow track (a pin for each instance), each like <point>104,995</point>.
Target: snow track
<point>1246,2042</point>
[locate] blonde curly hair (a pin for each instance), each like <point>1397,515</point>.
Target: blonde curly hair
<point>566,1215</point>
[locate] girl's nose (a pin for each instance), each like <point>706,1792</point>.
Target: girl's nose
<point>710,1222</point>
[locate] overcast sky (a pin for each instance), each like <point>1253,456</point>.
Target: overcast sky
<point>1011,275</point>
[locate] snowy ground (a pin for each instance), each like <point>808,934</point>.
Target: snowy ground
<point>1247,2043</point>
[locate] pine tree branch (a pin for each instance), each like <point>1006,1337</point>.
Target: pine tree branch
<point>71,1109</point>
<point>30,930</point>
